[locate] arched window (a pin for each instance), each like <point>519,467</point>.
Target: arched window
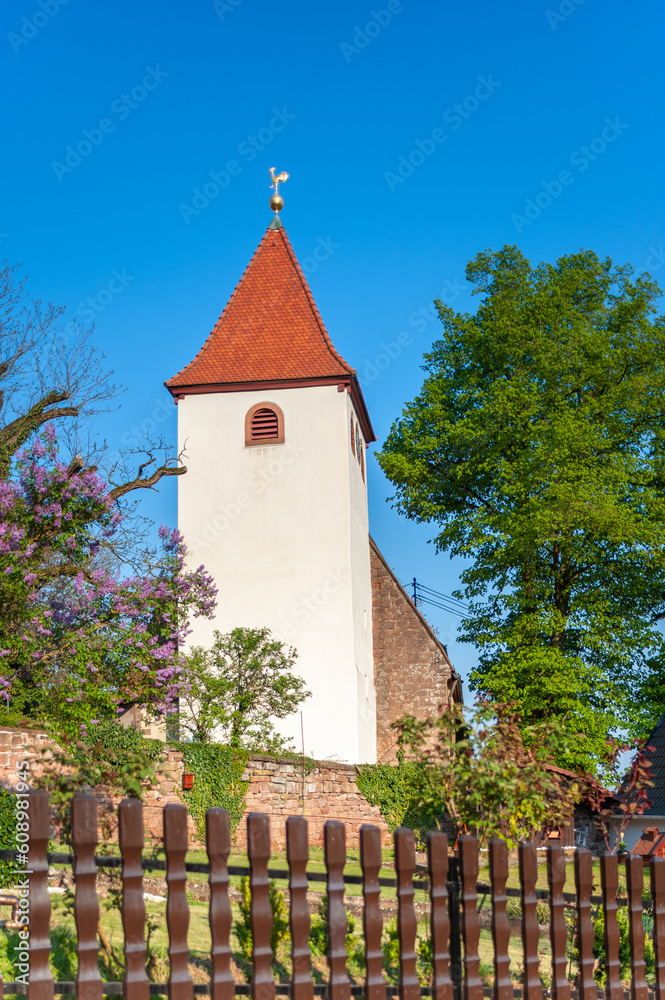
<point>264,424</point>
<point>353,438</point>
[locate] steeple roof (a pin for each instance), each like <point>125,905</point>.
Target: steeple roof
<point>270,330</point>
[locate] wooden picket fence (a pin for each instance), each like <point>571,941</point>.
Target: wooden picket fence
<point>452,884</point>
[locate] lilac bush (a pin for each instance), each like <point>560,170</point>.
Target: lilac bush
<point>78,638</point>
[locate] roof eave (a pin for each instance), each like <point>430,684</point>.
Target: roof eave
<point>346,381</point>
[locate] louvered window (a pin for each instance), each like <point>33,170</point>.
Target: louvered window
<point>264,424</point>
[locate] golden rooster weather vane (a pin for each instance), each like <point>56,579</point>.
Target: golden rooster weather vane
<point>277,202</point>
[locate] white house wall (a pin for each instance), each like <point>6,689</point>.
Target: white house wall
<point>283,530</point>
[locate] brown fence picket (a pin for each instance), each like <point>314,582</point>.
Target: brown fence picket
<point>528,874</point>
<point>468,856</point>
<point>657,866</point>
<point>40,981</point>
<point>407,923</point>
<point>587,989</point>
<point>609,881</point>
<point>437,863</point>
<point>86,903</point>
<point>634,883</point>
<point>370,861</point>
<point>218,848</point>
<point>180,982</point>
<point>556,877</point>
<point>334,843</point>
<point>132,841</point>
<point>498,856</point>
<point>297,855</point>
<point>260,912</point>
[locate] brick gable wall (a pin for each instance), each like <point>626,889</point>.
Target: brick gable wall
<point>412,672</point>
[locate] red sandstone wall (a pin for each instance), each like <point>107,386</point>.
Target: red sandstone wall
<point>275,787</point>
<point>25,744</point>
<point>412,672</point>
<point>329,792</point>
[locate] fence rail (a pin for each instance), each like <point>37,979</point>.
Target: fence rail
<point>454,925</point>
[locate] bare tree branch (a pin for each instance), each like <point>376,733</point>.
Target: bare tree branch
<point>146,483</point>
<point>16,433</point>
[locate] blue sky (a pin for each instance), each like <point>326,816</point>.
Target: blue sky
<point>416,134</point>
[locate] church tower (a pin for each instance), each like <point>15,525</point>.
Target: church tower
<point>273,428</point>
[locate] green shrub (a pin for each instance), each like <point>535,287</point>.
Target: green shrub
<point>10,871</point>
<point>243,928</point>
<point>486,972</point>
<point>390,948</point>
<point>63,959</point>
<point>424,966</point>
<point>624,943</point>
<point>318,937</point>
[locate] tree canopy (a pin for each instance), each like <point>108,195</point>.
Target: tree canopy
<point>238,687</point>
<point>536,447</point>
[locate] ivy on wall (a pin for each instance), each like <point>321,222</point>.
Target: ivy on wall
<point>217,774</point>
<point>393,788</point>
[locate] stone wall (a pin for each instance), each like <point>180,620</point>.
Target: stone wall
<point>412,672</point>
<point>330,791</point>
<point>15,746</point>
<point>276,787</point>
<point>26,744</point>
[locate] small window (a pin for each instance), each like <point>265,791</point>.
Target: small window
<point>353,438</point>
<point>264,424</point>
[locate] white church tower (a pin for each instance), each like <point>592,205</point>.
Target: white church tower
<point>273,427</point>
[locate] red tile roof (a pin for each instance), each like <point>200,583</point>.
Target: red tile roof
<point>651,843</point>
<point>270,330</point>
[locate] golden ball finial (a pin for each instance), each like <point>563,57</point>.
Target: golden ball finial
<point>277,203</point>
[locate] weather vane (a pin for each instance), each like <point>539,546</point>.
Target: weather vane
<point>277,202</point>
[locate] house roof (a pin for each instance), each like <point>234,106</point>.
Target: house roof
<point>654,752</point>
<point>649,845</point>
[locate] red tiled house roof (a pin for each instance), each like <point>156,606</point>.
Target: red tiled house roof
<point>270,332</point>
<point>651,843</point>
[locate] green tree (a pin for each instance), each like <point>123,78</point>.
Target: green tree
<point>239,686</point>
<point>536,446</point>
<point>203,700</point>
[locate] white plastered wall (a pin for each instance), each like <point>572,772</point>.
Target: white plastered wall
<point>283,529</point>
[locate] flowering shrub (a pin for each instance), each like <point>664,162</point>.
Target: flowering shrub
<point>78,638</point>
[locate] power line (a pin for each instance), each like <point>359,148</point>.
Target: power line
<point>438,595</point>
<point>434,598</point>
